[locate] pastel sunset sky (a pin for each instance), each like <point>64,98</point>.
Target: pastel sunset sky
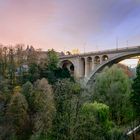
<point>67,24</point>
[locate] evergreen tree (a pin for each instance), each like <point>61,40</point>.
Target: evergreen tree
<point>11,68</point>
<point>33,73</point>
<point>43,109</point>
<point>67,98</point>
<point>27,90</point>
<point>17,116</point>
<point>136,92</point>
<point>52,60</point>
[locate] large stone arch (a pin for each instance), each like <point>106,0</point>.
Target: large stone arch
<point>105,57</point>
<point>90,79</point>
<point>97,60</point>
<point>69,65</point>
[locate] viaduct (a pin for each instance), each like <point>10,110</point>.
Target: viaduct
<point>86,65</point>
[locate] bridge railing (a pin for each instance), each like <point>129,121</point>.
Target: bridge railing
<point>104,51</point>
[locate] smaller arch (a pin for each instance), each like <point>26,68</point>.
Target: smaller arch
<point>68,53</point>
<point>96,60</point>
<point>89,59</point>
<point>104,57</point>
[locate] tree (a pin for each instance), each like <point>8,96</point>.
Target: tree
<point>31,55</point>
<point>5,59</point>
<point>93,122</point>
<point>17,116</point>
<point>136,92</point>
<point>32,74</point>
<point>43,109</point>
<point>67,99</point>
<point>116,134</point>
<point>1,61</point>
<point>11,67</point>
<point>19,53</point>
<point>27,90</point>
<point>50,69</point>
<point>112,87</point>
<point>52,60</point>
<point>62,73</point>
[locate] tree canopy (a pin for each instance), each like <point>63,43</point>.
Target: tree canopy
<point>136,92</point>
<point>113,88</point>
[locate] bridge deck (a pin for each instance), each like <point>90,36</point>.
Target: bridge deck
<point>109,51</point>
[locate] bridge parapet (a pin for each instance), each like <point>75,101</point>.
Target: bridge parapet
<point>109,51</point>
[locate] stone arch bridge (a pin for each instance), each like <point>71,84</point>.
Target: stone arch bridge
<point>86,65</point>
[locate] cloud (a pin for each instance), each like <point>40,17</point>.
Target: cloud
<point>22,19</point>
<point>71,23</point>
<point>91,18</point>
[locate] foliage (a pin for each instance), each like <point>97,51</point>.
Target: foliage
<point>113,88</point>
<point>27,91</point>
<point>136,92</point>
<point>33,73</point>
<point>100,110</point>
<point>17,115</point>
<point>52,60</point>
<point>116,134</point>
<point>31,108</point>
<point>94,121</point>
<point>67,98</point>
<point>44,108</point>
<point>50,69</point>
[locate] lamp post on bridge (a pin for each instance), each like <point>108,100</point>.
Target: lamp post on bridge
<point>117,43</point>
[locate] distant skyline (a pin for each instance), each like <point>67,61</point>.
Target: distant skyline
<point>88,25</point>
